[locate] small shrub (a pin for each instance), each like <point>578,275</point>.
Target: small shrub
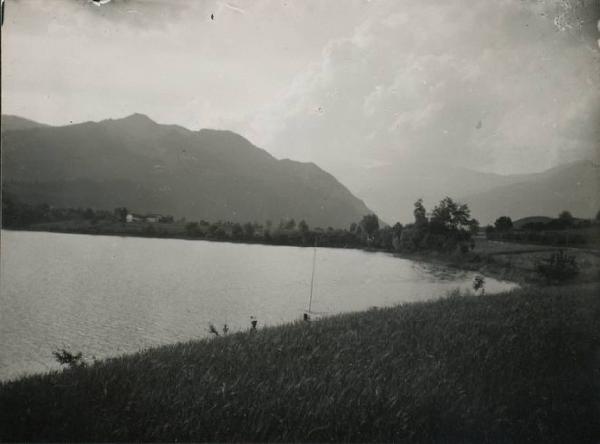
<point>479,284</point>
<point>559,267</point>
<point>65,357</point>
<point>212,329</point>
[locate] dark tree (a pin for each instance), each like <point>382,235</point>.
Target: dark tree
<point>18,214</point>
<point>212,229</point>
<point>121,213</point>
<point>386,238</point>
<point>397,235</point>
<point>566,219</point>
<point>370,224</point>
<point>89,214</point>
<point>237,231</point>
<point>503,223</point>
<point>420,213</point>
<point>397,229</point>
<point>474,226</point>
<point>192,228</point>
<point>290,224</point>
<point>303,227</point>
<point>249,230</point>
<point>11,211</point>
<point>451,215</point>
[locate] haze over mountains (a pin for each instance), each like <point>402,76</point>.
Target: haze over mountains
<point>209,174</point>
<point>574,187</point>
<point>148,167</point>
<point>392,190</point>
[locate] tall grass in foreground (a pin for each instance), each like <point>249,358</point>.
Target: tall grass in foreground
<point>521,366</point>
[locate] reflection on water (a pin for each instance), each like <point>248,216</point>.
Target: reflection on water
<point>105,295</point>
<point>438,273</point>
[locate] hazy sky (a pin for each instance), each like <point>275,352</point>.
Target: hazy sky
<point>507,86</point>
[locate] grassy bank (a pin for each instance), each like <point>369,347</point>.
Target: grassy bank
<point>513,261</point>
<point>522,366</point>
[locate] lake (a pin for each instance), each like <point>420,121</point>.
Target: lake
<point>108,295</point>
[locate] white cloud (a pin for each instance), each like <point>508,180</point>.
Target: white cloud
<point>414,81</point>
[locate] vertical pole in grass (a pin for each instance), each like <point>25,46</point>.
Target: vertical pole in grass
<point>312,278</point>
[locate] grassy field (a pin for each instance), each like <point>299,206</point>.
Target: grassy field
<point>520,261</point>
<point>514,261</point>
<point>515,367</point>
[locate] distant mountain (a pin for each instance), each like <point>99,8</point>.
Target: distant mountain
<point>11,123</point>
<point>574,187</point>
<point>149,167</point>
<point>520,223</point>
<point>392,190</point>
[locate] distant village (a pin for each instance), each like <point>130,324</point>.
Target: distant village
<point>151,218</point>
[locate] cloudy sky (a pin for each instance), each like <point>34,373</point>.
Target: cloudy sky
<point>506,86</point>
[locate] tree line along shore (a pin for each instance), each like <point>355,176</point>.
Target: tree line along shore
<point>530,252</point>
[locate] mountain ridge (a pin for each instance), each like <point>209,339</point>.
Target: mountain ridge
<point>10,122</point>
<point>392,190</point>
<point>163,149</point>
<point>145,166</point>
<point>574,187</point>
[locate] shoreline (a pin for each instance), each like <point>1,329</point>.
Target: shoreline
<point>486,268</point>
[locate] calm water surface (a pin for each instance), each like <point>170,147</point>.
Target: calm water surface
<point>106,295</point>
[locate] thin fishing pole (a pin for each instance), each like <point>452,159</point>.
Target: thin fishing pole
<point>312,278</point>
